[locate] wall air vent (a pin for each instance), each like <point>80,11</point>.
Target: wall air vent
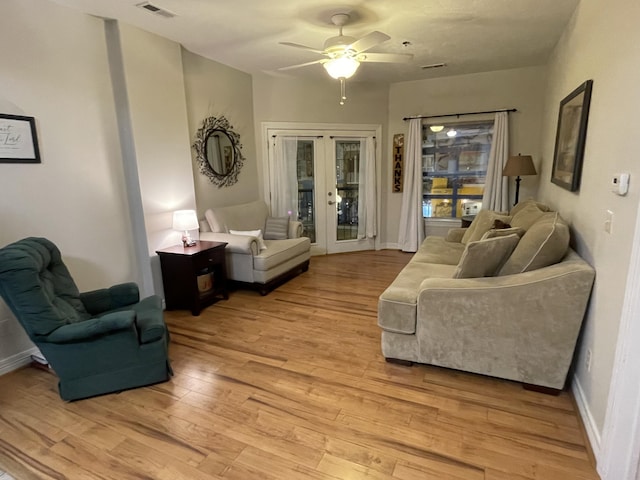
<point>433,65</point>
<point>155,9</point>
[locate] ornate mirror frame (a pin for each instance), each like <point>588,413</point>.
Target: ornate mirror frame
<point>210,125</point>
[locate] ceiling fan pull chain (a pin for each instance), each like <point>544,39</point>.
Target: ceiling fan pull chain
<point>343,90</point>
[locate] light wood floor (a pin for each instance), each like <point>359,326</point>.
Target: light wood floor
<point>293,386</point>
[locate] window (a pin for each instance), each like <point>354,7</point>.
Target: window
<point>454,167</point>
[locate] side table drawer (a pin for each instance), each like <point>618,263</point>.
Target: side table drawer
<point>209,258</point>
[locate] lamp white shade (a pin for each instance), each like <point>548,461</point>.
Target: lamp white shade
<point>343,67</point>
<point>184,220</point>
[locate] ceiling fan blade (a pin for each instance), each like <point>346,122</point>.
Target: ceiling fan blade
<point>304,47</point>
<point>291,67</point>
<point>368,41</point>
<point>385,57</point>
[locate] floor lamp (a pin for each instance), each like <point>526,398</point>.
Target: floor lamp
<point>516,166</point>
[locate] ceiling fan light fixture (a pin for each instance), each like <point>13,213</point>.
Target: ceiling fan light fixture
<point>342,67</point>
<point>452,132</point>
<point>436,128</point>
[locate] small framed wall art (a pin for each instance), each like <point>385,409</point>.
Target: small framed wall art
<point>570,137</point>
<point>18,139</point>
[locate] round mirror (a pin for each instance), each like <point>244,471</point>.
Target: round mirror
<point>219,148</point>
<point>218,151</point>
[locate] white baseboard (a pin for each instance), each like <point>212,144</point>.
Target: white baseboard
<point>587,419</point>
<point>389,246</point>
<point>16,361</point>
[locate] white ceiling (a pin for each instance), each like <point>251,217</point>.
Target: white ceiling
<point>468,35</point>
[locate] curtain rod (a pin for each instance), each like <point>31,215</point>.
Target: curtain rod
<point>508,110</point>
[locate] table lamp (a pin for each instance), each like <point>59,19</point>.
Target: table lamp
<point>519,165</point>
<point>185,220</point>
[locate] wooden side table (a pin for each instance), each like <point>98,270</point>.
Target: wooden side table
<point>193,277</point>
<point>466,220</point>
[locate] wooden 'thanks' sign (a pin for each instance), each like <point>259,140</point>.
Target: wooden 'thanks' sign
<point>398,161</point>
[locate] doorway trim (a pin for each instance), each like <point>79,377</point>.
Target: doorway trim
<point>326,127</point>
<point>620,448</point>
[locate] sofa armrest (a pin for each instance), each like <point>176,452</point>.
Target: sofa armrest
<point>104,299</point>
<point>244,244</point>
<point>455,234</point>
<point>523,327</point>
<point>295,229</point>
<point>94,327</point>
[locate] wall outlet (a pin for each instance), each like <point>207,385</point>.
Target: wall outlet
<point>587,360</point>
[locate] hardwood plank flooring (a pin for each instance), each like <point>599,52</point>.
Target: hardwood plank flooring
<point>293,386</point>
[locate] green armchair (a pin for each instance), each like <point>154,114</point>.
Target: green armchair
<point>96,342</point>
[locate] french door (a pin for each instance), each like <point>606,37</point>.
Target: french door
<point>330,185</point>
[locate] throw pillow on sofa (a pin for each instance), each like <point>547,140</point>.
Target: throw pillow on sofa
<point>276,228</point>
<point>482,224</point>
<point>485,257</point>
<point>545,243</point>
<point>530,201</point>
<point>526,216</point>
<point>251,233</point>
<point>503,232</point>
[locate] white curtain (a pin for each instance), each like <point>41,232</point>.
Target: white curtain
<point>411,232</point>
<point>367,226</point>
<point>496,189</point>
<point>284,178</point>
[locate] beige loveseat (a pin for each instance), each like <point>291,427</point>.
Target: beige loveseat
<point>251,256</point>
<point>516,316</point>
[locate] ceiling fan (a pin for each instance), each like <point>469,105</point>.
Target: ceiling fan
<point>344,54</point>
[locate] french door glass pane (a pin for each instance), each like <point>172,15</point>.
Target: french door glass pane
<point>347,166</point>
<point>306,189</point>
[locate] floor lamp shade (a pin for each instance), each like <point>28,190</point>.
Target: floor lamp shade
<point>516,166</point>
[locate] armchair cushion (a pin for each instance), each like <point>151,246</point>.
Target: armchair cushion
<point>276,228</point>
<point>37,282</point>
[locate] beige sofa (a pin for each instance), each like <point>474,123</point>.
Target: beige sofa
<point>248,263</point>
<point>516,316</point>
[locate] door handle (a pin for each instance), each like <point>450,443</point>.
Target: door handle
<point>330,202</point>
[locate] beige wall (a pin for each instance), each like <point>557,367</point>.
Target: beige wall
<point>158,111</point>
<point>284,99</point>
<point>521,88</point>
<point>592,47</point>
<point>75,197</point>
<point>215,90</point>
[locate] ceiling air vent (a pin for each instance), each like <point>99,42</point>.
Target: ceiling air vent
<point>433,65</point>
<point>155,9</point>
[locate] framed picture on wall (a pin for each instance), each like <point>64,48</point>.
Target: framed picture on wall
<point>18,139</point>
<point>570,137</point>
